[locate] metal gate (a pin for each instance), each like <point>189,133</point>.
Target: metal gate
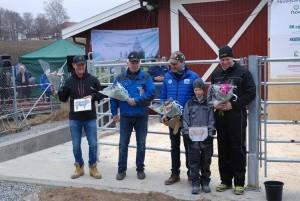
<point>257,140</point>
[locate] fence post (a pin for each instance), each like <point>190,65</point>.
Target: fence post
<point>15,107</point>
<point>254,126</point>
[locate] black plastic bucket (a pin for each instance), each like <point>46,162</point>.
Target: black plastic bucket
<point>274,190</point>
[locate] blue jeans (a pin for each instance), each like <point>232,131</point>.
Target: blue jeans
<point>140,125</point>
<point>90,129</point>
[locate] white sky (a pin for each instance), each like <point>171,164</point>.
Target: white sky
<point>77,10</point>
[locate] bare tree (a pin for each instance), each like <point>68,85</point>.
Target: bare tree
<point>56,14</point>
<point>12,25</point>
<point>1,23</point>
<point>28,21</point>
<point>41,26</point>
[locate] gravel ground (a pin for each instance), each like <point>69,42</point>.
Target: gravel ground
<point>34,129</point>
<point>10,191</point>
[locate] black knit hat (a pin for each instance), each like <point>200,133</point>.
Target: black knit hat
<point>225,51</point>
<point>198,83</point>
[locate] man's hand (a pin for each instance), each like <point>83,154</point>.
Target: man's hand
<point>131,102</point>
<point>88,97</point>
<point>116,118</point>
<point>165,121</point>
<point>159,78</point>
<point>224,106</point>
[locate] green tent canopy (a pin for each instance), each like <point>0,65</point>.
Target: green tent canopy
<point>55,54</point>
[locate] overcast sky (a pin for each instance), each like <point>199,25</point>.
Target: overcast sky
<point>77,10</point>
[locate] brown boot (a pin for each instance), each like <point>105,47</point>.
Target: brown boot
<point>172,179</point>
<point>94,172</point>
<point>79,171</point>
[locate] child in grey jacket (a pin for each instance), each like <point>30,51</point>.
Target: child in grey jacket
<point>198,123</point>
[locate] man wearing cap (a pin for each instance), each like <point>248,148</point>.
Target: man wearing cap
<point>231,121</point>
<point>178,86</point>
<point>133,114</point>
<point>80,89</point>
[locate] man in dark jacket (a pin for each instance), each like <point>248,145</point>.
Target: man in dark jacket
<point>178,86</point>
<point>23,81</point>
<point>79,89</point>
<point>133,114</point>
<point>231,121</point>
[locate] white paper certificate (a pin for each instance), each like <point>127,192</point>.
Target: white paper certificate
<point>198,133</point>
<point>83,104</point>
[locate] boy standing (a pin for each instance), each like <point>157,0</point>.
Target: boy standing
<point>198,123</point>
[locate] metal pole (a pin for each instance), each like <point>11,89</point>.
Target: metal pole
<point>254,117</point>
<point>15,107</point>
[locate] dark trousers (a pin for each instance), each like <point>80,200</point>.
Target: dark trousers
<point>140,125</point>
<point>231,129</point>
<point>175,152</point>
<point>200,154</point>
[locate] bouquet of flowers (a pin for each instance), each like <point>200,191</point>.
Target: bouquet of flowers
<point>116,91</point>
<point>220,93</point>
<point>170,110</point>
<point>54,77</point>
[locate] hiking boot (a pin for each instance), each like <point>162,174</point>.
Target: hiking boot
<point>141,174</point>
<point>195,190</point>
<point>172,179</point>
<point>94,172</point>
<point>206,188</point>
<point>121,175</point>
<point>222,187</point>
<point>79,171</point>
<point>239,190</point>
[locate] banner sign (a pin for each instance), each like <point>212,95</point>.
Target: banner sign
<point>285,38</point>
<point>115,45</point>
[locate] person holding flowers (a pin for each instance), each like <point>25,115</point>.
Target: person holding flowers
<point>132,112</point>
<point>232,90</point>
<point>177,86</point>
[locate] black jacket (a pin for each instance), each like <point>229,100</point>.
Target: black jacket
<point>75,88</point>
<point>242,79</point>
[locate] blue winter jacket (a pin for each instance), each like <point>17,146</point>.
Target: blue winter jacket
<point>178,88</point>
<point>140,87</point>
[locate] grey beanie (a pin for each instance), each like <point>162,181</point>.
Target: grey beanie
<point>198,83</point>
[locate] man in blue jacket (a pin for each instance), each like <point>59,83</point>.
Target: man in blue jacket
<point>177,85</point>
<point>133,114</point>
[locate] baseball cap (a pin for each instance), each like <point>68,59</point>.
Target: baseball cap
<point>176,57</point>
<point>133,56</point>
<point>78,59</point>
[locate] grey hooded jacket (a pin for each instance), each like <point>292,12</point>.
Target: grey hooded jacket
<point>198,113</point>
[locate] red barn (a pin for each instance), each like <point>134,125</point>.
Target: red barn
<point>195,27</point>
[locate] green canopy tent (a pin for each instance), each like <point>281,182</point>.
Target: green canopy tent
<point>55,54</point>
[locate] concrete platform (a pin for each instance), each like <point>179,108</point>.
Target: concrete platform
<point>53,166</point>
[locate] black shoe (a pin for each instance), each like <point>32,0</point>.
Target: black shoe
<point>206,188</point>
<point>141,174</point>
<point>121,175</point>
<point>195,190</point>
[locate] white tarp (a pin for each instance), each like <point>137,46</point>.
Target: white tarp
<point>285,38</point>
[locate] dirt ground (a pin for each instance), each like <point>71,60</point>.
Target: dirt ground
<point>88,194</point>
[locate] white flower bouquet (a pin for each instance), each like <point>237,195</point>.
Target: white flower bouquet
<point>116,91</point>
<point>172,111</point>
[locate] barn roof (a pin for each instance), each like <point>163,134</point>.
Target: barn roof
<point>101,18</point>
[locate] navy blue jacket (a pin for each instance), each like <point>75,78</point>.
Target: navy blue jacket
<point>140,87</point>
<point>155,71</point>
<point>179,89</point>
